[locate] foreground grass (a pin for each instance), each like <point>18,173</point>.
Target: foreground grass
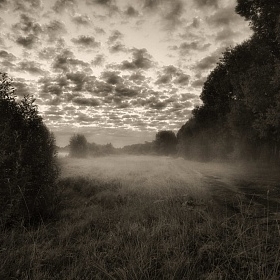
<point>106,232</point>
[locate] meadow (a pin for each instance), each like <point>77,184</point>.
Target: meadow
<point>145,217</point>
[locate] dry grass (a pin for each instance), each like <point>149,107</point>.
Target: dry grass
<point>120,221</point>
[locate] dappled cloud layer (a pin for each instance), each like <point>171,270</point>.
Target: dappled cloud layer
<point>119,70</point>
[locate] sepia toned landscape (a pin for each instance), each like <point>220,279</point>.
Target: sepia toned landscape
<point>139,139</point>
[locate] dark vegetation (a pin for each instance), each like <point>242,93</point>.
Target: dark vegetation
<point>79,147</point>
<point>106,233</point>
<point>28,169</point>
<point>164,144</point>
<point>239,117</point>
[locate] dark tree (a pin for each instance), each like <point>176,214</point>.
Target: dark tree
<point>28,169</point>
<point>78,146</point>
<point>166,142</point>
<point>264,17</point>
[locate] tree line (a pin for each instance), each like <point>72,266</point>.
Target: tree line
<point>240,114</point>
<point>165,143</point>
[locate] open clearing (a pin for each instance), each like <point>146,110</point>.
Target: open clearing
<point>160,176</point>
<point>150,218</point>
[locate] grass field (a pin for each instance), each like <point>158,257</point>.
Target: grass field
<point>128,217</point>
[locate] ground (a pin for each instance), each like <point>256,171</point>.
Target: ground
<point>148,217</point>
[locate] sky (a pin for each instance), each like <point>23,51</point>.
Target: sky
<point>117,71</point>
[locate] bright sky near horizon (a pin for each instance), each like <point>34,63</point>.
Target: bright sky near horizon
<point>115,70</point>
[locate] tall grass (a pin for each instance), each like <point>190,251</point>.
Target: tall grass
<point>105,231</point>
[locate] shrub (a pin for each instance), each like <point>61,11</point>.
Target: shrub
<point>28,168</point>
<point>78,146</point>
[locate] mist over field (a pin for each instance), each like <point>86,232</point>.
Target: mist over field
<point>159,174</point>
<point>140,139</point>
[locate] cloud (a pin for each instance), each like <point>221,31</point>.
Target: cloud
<point>21,87</point>
<point>196,22</point>
<point>86,41</point>
<point>199,82</point>
<point>62,81</point>
<point>31,67</point>
<point>158,105</point>
<point>63,5</point>
<point>131,12</point>
<point>81,19</point>
<point>6,55</point>
<point>111,77</point>
<point>103,2</point>
<point>98,60</point>
<point>171,74</point>
<point>223,17</point>
<point>28,25</point>
<point>182,79</point>
<point>186,48</point>
<point>140,60</point>
<point>99,30</point>
<point>3,4</point>
<point>187,96</point>
<point>89,84</point>
<point>92,102</point>
<point>53,111</point>
<point>85,119</point>
<point>206,3</point>
<point>209,61</point>
<point>173,17</point>
<point>226,34</point>
<point>27,32</point>
<point>102,88</point>
<point>61,61</point>
<point>66,62</point>
<point>55,29</point>
<point>164,79</point>
<point>137,78</point>
<point>50,86</point>
<point>27,42</point>
<point>117,47</point>
<point>47,53</point>
<point>126,91</point>
<point>116,35</point>
<point>108,4</point>
<point>27,5</point>
<point>78,78</point>
<point>151,4</point>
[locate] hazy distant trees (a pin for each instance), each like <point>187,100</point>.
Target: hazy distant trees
<point>101,150</point>
<point>146,148</point>
<point>78,146</point>
<point>28,169</point>
<point>239,117</point>
<point>165,142</point>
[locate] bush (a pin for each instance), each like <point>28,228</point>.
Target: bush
<point>28,168</point>
<point>78,146</point>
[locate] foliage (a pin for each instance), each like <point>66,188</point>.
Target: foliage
<point>139,149</point>
<point>78,146</point>
<point>239,117</point>
<point>101,150</point>
<point>165,142</point>
<point>28,168</point>
<point>264,17</point>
